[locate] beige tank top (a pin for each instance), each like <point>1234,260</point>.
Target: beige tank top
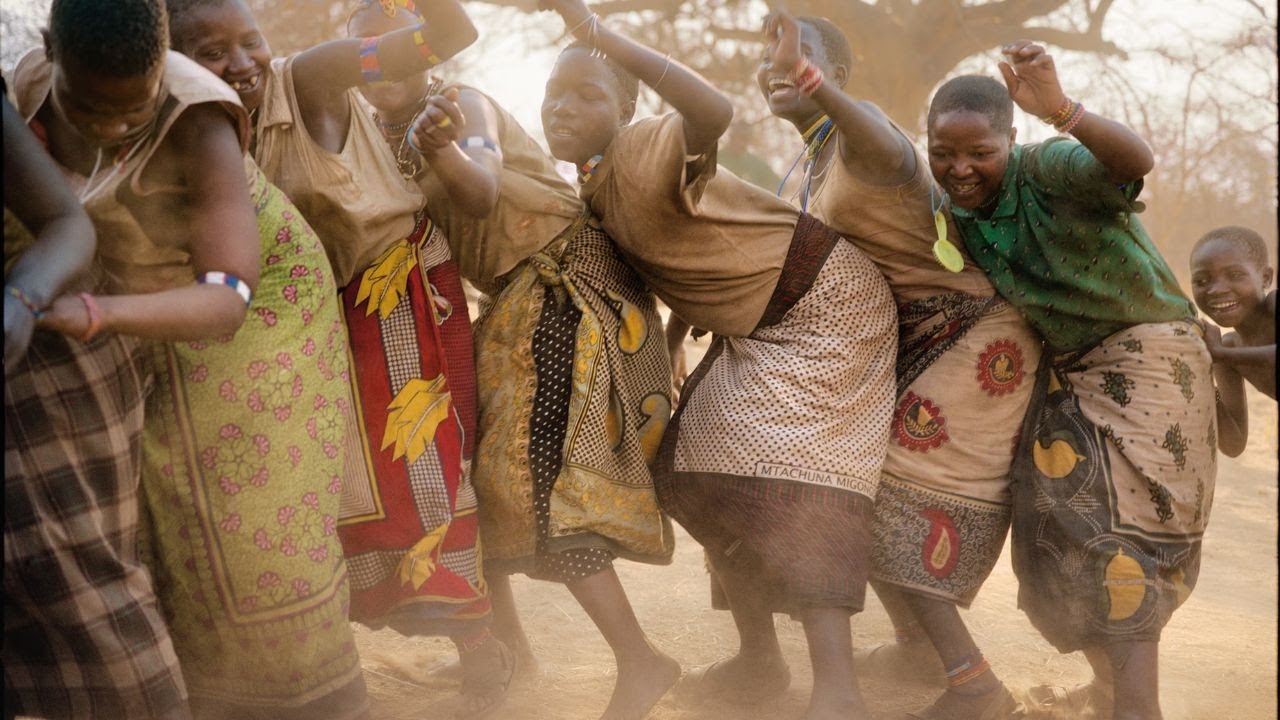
<point>355,199</point>
<point>894,226</point>
<point>151,253</point>
<point>534,206</point>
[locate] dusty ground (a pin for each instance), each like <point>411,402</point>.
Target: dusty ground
<point>1218,656</point>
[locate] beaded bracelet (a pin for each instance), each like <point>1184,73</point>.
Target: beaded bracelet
<point>95,317</point>
<point>424,50</point>
<point>370,65</point>
<point>1074,120</point>
<point>479,141</point>
<point>26,300</point>
<point>807,77</point>
<point>220,278</point>
<point>1060,115</point>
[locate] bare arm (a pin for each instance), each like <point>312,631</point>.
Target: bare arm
<point>331,68</point>
<point>224,237</point>
<point>870,146</point>
<point>470,175</point>
<point>707,112</point>
<point>676,331</point>
<point>1033,85</point>
<point>36,193</point>
<point>1233,410</point>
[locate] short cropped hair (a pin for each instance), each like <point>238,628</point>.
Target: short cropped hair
<point>624,82</point>
<point>119,38</point>
<point>1254,247</point>
<point>975,93</point>
<point>834,42</point>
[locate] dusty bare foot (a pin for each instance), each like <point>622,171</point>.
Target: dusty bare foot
<point>914,662</point>
<point>996,703</point>
<point>640,686</point>
<point>744,681</point>
<point>486,677</point>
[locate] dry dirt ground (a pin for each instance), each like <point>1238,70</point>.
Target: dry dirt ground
<point>1218,655</point>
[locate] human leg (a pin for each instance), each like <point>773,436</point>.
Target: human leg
<point>1133,668</point>
<point>644,673</point>
<point>835,691</point>
<point>758,671</point>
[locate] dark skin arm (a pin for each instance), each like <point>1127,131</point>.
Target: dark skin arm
<point>1033,84</point>
<point>676,331</point>
<point>706,111</point>
<point>323,74</point>
<point>1232,406</point>
<point>471,175</point>
<point>207,158</point>
<point>35,191</point>
<point>870,147</point>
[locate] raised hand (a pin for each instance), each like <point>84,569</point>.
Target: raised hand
<point>782,38</point>
<point>1032,79</point>
<point>574,12</point>
<point>439,123</point>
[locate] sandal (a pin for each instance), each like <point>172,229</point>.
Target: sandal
<point>484,688</point>
<point>1054,702</point>
<point>996,704</point>
<point>702,684</point>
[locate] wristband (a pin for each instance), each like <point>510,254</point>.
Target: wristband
<point>26,300</point>
<point>370,66</point>
<point>807,77</point>
<point>479,141</point>
<point>220,278</point>
<point>1060,115</point>
<point>95,317</point>
<point>1076,115</point>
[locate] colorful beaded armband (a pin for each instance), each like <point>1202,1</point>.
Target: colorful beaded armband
<point>424,50</point>
<point>370,66</point>
<point>25,299</point>
<point>220,278</point>
<point>478,141</point>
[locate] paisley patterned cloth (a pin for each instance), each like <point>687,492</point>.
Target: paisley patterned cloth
<point>601,497</point>
<point>965,372</point>
<point>243,465</point>
<point>1113,482</point>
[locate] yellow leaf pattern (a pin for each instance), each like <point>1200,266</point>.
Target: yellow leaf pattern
<point>419,563</point>
<point>413,416</point>
<point>383,284</point>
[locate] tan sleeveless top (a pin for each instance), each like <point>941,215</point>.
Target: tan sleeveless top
<point>534,206</point>
<point>133,256</point>
<point>894,226</point>
<point>355,199</point>
<point>711,245</point>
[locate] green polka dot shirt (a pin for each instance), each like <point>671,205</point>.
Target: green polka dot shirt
<point>1064,244</point>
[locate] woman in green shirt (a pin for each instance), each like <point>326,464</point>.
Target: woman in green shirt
<point>1114,475</point>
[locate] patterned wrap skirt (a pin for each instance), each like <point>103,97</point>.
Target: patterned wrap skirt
<point>243,470</point>
<point>1113,482</point>
<point>575,386</point>
<point>408,524</point>
<point>83,632</point>
<point>965,374</point>
<point>773,458</point>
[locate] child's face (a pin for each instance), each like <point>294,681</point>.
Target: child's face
<point>581,110</point>
<point>224,38</point>
<point>107,111</point>
<point>780,92</point>
<point>1227,285</point>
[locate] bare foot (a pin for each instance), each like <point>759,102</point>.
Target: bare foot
<point>740,680</point>
<point>640,686</point>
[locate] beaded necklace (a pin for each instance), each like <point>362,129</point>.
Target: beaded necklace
<point>408,161</point>
<point>815,138</point>
<point>588,169</point>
